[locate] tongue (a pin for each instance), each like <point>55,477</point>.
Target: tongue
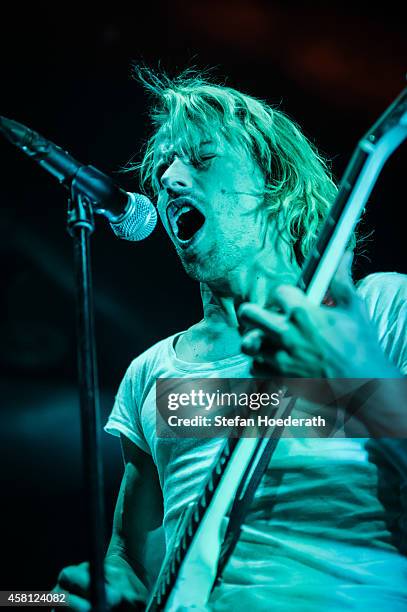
<point>189,223</point>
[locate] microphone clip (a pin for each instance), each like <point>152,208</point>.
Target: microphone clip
<point>80,213</point>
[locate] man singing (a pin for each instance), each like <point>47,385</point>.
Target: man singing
<point>242,195</point>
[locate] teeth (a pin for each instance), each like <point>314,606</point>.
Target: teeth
<point>184,209</point>
<point>174,214</point>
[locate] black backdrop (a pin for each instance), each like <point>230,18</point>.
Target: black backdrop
<point>66,73</point>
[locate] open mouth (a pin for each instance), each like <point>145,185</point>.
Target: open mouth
<point>185,220</point>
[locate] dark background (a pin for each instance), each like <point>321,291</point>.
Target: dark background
<point>66,72</point>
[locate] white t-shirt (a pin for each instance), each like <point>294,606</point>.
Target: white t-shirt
<point>326,526</point>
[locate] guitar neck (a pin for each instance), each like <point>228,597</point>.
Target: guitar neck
<point>371,154</point>
<point>194,516</point>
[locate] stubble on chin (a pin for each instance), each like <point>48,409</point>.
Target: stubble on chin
<point>206,272</point>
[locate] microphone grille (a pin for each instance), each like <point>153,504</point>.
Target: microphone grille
<point>138,221</point>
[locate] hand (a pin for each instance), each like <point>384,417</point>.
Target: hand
<point>124,591</point>
<point>309,341</point>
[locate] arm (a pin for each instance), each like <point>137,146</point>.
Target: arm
<point>138,511</point>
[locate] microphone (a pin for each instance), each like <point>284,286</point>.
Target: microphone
<point>132,216</point>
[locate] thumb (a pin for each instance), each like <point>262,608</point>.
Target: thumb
<point>341,288</point>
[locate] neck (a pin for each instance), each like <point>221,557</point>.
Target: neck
<point>219,307</point>
<point>255,284</point>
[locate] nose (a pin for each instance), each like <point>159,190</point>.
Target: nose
<point>178,176</point>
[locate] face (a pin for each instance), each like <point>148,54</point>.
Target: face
<point>212,210</point>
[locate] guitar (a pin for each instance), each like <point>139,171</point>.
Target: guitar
<point>189,569</point>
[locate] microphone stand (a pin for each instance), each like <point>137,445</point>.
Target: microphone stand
<point>80,226</point>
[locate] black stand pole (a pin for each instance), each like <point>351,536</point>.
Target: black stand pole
<point>80,226</point>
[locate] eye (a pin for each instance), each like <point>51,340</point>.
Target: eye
<point>203,160</point>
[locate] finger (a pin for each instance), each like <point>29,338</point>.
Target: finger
<point>279,361</point>
<point>117,600</point>
<point>75,579</point>
<point>77,604</point>
<point>287,297</point>
<point>252,341</point>
<point>302,321</point>
<point>271,322</point>
<point>273,365</point>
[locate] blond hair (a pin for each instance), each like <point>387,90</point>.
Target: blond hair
<point>299,188</point>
